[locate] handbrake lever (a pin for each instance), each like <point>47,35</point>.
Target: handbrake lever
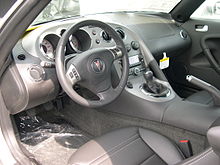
<point>215,93</point>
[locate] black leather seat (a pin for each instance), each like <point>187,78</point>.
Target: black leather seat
<point>128,146</point>
<point>202,97</point>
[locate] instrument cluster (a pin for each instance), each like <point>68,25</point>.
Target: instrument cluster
<point>79,41</point>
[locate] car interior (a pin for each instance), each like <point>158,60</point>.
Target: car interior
<point>116,88</point>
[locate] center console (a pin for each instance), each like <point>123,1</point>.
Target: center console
<point>142,82</point>
<point>136,65</point>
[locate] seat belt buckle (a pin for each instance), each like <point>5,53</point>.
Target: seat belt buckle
<point>186,148</point>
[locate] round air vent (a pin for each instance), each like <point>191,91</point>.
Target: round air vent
<point>183,34</point>
<point>36,73</point>
<point>121,33</point>
<point>62,31</point>
<point>106,36</point>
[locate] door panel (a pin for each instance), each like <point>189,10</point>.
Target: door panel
<point>194,61</point>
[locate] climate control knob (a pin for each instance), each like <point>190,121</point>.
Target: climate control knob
<point>135,45</point>
<point>136,71</point>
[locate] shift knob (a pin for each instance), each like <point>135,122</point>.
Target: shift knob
<point>153,86</point>
<point>148,76</point>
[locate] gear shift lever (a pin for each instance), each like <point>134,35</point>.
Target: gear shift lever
<point>148,75</point>
<point>151,85</point>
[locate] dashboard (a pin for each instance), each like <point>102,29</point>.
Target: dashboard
<point>33,73</point>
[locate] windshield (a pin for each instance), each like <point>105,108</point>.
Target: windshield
<point>59,9</point>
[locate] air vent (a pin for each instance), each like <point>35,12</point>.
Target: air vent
<point>121,33</point>
<point>183,34</point>
<point>62,31</point>
<point>106,36</point>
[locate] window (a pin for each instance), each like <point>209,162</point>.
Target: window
<point>210,9</point>
<point>61,9</point>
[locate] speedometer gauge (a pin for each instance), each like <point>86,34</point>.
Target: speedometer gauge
<point>47,49</point>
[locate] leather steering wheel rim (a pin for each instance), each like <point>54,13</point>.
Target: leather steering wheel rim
<point>107,96</point>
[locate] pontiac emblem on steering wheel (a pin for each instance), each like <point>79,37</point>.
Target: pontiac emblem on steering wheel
<point>98,65</point>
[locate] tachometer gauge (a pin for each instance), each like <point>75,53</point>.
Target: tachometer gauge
<point>47,49</point>
<point>74,43</point>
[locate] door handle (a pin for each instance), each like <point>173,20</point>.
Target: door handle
<point>208,53</point>
<point>202,28</point>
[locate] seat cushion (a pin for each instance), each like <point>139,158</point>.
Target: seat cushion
<point>128,146</point>
<point>202,97</point>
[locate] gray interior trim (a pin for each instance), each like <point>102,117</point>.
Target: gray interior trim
<point>8,132</point>
<point>11,31</point>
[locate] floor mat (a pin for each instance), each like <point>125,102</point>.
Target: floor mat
<point>50,143</point>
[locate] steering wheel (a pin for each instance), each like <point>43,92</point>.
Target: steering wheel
<point>92,68</point>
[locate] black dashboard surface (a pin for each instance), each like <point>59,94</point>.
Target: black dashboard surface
<point>39,84</point>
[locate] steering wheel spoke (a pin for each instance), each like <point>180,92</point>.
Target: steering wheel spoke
<point>116,52</point>
<point>72,74</point>
<point>69,57</point>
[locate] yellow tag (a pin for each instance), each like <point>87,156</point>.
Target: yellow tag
<point>165,61</point>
